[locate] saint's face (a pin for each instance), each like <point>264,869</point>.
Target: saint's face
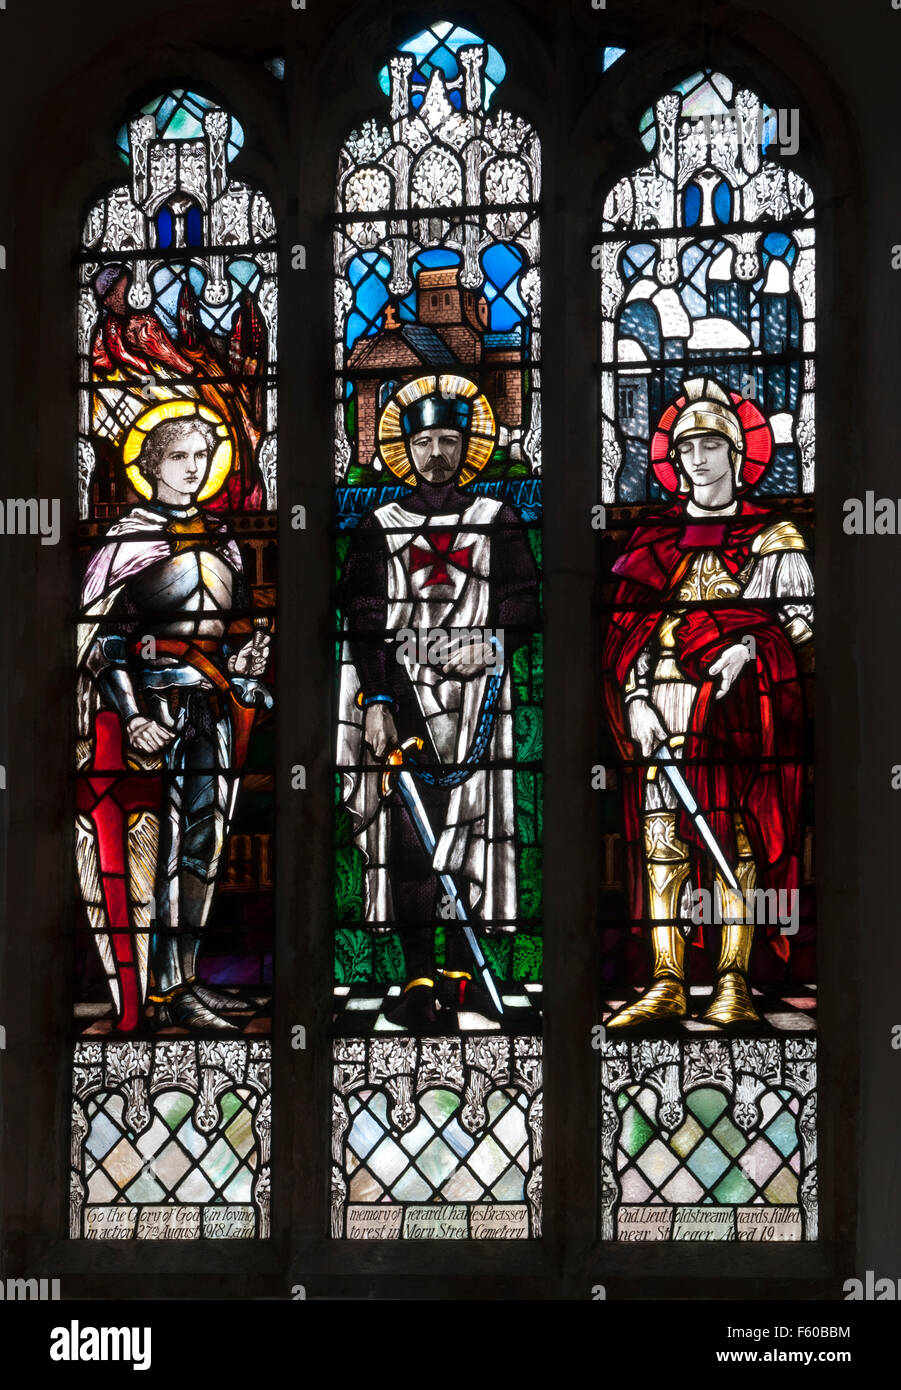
<point>183,466</point>
<point>436,454</point>
<point>704,459</point>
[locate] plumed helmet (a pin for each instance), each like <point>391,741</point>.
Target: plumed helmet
<point>707,410</point>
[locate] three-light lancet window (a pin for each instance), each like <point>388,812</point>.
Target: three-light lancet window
<point>706,438</point>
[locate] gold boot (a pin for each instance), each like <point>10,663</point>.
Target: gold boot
<point>732,1001</point>
<point>666,996</point>
<point>667,870</point>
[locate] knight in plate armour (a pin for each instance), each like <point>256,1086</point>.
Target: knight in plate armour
<point>163,695</point>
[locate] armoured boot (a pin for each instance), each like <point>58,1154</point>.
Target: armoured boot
<point>666,859</point>
<point>215,999</point>
<point>210,998</point>
<point>454,980</point>
<point>180,1008</point>
<point>732,1001</point>
<point>415,1009</point>
<point>175,1003</point>
<point>458,990</point>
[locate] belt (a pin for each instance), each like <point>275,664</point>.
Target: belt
<point>193,654</point>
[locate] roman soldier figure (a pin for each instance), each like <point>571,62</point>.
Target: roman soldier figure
<point>700,668</point>
<point>438,590</point>
<point>165,713</point>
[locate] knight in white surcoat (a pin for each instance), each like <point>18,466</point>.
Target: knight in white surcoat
<point>438,591</point>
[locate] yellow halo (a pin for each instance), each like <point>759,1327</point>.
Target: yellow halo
<point>220,463</point>
<point>393,448</point>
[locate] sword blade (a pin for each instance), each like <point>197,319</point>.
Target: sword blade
<point>408,789</point>
<point>410,793</point>
<point>667,765</point>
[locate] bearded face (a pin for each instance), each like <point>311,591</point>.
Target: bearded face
<point>437,453</point>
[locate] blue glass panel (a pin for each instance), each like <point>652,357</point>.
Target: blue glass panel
<point>783,475</point>
<point>242,271</point>
<point>194,226</point>
<point>640,321</point>
<point>195,103</point>
<point>502,265</point>
<point>356,325</point>
<point>164,228</point>
<point>777,243</point>
<point>722,202</point>
<point>775,323</point>
<point>442,58</point>
<point>637,258</point>
<point>166,283</point>
<point>692,205</point>
<point>163,112</point>
<point>695,304</point>
<point>435,257</point>
<point>691,258</point>
<point>371,296</point>
<point>361,266</point>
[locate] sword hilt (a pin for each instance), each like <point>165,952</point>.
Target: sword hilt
<point>395,761</point>
<point>674,741</point>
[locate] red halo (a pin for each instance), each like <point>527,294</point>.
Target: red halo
<point>757,435</point>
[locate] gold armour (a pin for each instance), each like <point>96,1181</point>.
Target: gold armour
<point>708,579</point>
<point>782,535</point>
<point>667,865</point>
<point>732,1001</point>
<point>666,860</point>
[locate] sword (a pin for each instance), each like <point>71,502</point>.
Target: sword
<point>667,764</point>
<point>406,785</point>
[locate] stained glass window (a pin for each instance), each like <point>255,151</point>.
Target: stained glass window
<point>177,303</point>
<point>437,1025</point>
<point>707,474</point>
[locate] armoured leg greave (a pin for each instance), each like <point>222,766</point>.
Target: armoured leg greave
<point>732,998</point>
<point>667,868</point>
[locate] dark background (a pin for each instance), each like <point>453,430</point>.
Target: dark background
<point>70,76</point>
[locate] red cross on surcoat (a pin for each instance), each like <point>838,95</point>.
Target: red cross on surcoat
<point>439,558</point>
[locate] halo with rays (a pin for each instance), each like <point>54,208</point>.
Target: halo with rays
<point>480,437</point>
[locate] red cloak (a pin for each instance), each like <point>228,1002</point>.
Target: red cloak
<point>742,753</point>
